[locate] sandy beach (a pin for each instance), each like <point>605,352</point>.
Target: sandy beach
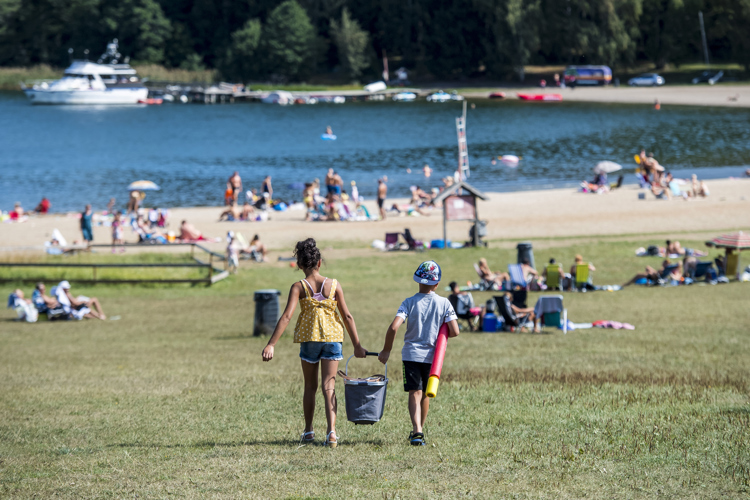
<point>688,95</point>
<point>558,213</point>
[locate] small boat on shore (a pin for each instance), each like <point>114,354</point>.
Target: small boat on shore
<point>497,95</point>
<point>540,97</point>
<point>405,96</point>
<point>441,96</point>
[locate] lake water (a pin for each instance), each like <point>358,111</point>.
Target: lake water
<point>76,155</point>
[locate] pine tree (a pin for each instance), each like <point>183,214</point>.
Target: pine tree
<point>289,41</point>
<point>351,43</point>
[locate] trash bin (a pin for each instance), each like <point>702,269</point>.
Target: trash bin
<point>266,311</point>
<point>525,252</point>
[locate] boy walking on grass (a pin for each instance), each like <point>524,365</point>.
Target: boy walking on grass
<point>425,313</point>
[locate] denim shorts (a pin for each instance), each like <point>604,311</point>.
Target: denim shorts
<point>312,352</point>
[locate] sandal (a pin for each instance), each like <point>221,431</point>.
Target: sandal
<point>417,439</point>
<point>332,443</point>
<point>307,437</point>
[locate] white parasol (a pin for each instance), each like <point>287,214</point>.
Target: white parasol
<point>607,167</point>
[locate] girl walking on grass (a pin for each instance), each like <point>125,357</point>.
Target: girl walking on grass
<point>320,333</point>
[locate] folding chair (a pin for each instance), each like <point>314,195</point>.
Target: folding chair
<point>471,319</point>
<point>484,284</point>
<point>516,276</point>
<point>413,244</point>
<point>701,269</point>
<point>511,319</point>
<point>554,280</point>
<point>391,241</point>
<point>550,310</point>
<point>582,275</point>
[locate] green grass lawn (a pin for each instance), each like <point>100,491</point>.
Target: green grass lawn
<point>174,401</point>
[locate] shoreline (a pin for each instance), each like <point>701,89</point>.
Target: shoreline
<point>519,215</point>
<point>720,95</point>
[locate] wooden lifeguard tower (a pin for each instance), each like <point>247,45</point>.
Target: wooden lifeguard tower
<point>460,204</point>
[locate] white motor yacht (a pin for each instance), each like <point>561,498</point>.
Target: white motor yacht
<point>85,82</point>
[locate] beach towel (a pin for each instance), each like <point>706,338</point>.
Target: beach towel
<point>616,325</point>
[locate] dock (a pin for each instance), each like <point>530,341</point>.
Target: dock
<point>227,93</point>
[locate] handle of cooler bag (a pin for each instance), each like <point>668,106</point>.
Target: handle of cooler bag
<point>368,353</point>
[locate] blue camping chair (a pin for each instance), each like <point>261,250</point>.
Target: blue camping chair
<point>517,279</point>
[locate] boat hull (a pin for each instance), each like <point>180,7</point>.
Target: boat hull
<point>109,96</point>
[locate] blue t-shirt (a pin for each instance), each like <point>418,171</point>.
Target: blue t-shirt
<point>424,315</point>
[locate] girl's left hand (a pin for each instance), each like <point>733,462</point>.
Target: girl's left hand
<point>360,352</point>
<point>268,353</point>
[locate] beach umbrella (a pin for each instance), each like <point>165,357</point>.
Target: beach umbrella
<point>736,241</point>
<point>143,186</point>
<point>607,167</point>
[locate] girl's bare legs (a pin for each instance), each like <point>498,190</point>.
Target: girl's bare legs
<point>310,372</point>
<point>328,376</point>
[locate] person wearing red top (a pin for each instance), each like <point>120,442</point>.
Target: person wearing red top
<point>43,206</point>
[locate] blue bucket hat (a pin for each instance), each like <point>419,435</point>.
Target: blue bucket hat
<point>428,273</point>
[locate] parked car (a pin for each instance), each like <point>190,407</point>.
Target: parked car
<point>646,80</point>
<point>708,77</point>
<point>587,75</point>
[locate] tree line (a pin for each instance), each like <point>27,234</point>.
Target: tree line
<point>290,40</point>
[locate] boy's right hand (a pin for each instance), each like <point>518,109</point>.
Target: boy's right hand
<point>268,353</point>
<point>383,356</point>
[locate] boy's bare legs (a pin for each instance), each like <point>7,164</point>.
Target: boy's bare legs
<point>310,372</point>
<point>328,376</point>
<point>419,405</point>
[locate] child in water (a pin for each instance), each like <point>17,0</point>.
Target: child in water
<point>426,312</point>
<point>320,333</point>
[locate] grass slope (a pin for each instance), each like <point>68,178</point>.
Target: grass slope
<point>173,400</point>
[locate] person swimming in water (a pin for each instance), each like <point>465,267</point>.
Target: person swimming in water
<point>329,130</point>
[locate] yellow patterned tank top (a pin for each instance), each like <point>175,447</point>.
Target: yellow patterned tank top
<point>318,320</point>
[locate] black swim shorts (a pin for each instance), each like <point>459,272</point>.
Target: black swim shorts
<point>416,375</point>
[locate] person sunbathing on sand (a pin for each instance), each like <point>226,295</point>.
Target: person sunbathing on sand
<point>188,232</point>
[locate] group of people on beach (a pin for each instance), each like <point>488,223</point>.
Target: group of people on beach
<point>663,184</point>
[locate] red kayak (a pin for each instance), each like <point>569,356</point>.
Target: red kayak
<point>151,100</point>
<point>540,97</point>
<point>497,95</point>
